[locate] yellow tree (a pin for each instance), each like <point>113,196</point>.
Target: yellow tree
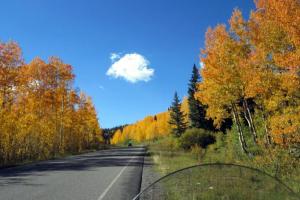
<point>150,128</point>
<point>275,36</point>
<point>117,137</point>
<point>222,87</point>
<point>10,61</point>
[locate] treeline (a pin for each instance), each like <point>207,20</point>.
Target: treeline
<point>42,115</point>
<point>180,116</point>
<point>150,128</point>
<point>251,73</point>
<point>109,132</point>
<point>250,76</point>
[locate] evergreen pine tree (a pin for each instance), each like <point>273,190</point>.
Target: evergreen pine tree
<point>177,117</point>
<point>196,109</point>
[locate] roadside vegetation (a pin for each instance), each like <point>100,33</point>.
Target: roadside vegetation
<point>169,157</point>
<point>243,105</point>
<point>42,115</point>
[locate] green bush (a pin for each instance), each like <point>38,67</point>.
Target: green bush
<point>194,136</point>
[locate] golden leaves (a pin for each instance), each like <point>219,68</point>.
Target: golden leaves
<point>150,128</point>
<point>258,59</point>
<point>41,114</point>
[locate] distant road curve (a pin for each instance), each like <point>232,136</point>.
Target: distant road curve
<point>113,174</point>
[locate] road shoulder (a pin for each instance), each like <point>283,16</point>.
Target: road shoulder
<point>149,174</point>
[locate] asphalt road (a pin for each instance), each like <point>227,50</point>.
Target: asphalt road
<point>109,174</point>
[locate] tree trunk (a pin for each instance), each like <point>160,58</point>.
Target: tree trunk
<point>61,131</point>
<point>4,98</point>
<point>239,128</point>
<point>249,120</point>
<point>268,136</point>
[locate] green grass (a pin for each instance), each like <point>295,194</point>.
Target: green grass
<point>168,158</point>
<point>221,182</point>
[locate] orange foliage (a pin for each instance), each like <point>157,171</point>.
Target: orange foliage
<point>150,128</point>
<point>257,59</point>
<point>41,114</point>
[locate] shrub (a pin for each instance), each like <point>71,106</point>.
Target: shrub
<point>194,136</point>
<point>169,144</point>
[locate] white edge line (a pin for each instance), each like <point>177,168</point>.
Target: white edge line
<point>115,180</point>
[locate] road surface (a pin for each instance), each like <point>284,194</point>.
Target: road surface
<point>109,174</point>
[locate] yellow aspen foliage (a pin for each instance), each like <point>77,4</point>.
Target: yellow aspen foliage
<point>275,35</point>
<point>117,137</point>
<point>185,108</point>
<point>150,128</point>
<point>257,59</point>
<point>41,114</point>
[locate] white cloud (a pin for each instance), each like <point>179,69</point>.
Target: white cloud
<point>132,67</point>
<point>114,56</point>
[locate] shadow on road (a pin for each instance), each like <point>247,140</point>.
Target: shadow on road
<point>106,158</point>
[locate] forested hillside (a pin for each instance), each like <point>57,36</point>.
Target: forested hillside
<point>150,128</point>
<point>42,115</point>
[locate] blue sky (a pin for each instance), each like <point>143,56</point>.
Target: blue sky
<point>163,36</point>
